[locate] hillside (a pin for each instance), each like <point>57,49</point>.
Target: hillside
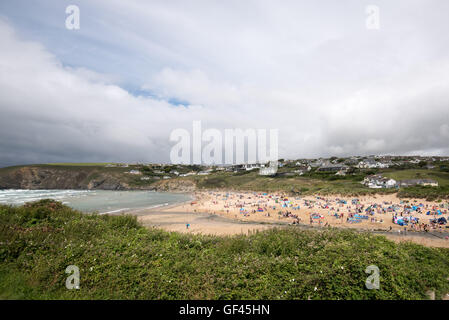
<point>107,177</point>
<point>82,176</point>
<point>119,259</point>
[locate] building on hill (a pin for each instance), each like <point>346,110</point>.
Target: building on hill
<point>371,163</point>
<point>333,167</point>
<point>301,170</point>
<point>317,163</point>
<point>418,182</point>
<point>341,173</point>
<point>191,173</point>
<point>378,181</point>
<point>269,170</point>
<point>251,166</point>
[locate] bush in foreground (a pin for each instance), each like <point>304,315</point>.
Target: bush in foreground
<point>119,259</point>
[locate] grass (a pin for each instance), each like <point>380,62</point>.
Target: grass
<point>119,259</point>
<point>291,184</point>
<point>429,193</point>
<point>440,176</point>
<point>308,184</point>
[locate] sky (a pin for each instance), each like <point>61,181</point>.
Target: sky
<point>135,71</point>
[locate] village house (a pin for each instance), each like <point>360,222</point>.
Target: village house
<point>251,166</point>
<point>317,163</point>
<point>333,167</point>
<point>191,173</point>
<point>300,171</point>
<point>351,162</point>
<point>378,181</point>
<point>370,163</point>
<point>269,170</point>
<point>418,182</point>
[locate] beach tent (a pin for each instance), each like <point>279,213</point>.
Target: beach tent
<point>442,220</point>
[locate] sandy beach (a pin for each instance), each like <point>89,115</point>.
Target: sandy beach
<point>228,213</point>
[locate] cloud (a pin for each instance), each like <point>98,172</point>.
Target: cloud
<point>314,72</point>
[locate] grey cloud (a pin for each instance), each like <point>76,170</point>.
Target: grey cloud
<point>312,71</point>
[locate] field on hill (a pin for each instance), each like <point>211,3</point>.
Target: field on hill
<point>441,177</point>
<point>119,259</point>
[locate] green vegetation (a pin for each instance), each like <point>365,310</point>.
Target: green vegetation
<point>441,177</point>
<point>101,176</point>
<point>429,193</point>
<point>119,259</point>
<point>326,183</point>
<point>310,184</point>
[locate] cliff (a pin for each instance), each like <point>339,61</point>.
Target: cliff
<point>48,177</point>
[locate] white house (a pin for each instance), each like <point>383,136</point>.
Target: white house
<point>251,166</point>
<point>271,170</point>
<point>191,173</point>
<point>378,181</point>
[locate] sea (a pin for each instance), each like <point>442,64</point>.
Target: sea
<point>101,201</point>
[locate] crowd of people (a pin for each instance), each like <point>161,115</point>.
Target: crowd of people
<point>382,212</point>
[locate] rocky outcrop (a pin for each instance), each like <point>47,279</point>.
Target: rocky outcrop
<point>175,185</point>
<point>34,177</point>
<point>100,178</point>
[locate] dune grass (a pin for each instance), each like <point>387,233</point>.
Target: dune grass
<point>119,259</point>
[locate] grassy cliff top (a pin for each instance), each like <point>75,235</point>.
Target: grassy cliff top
<point>119,259</point>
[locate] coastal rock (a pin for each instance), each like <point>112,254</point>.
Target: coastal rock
<point>91,178</point>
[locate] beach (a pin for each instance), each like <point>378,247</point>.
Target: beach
<point>228,213</point>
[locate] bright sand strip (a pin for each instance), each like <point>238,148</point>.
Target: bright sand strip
<point>215,213</point>
<point>200,223</point>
